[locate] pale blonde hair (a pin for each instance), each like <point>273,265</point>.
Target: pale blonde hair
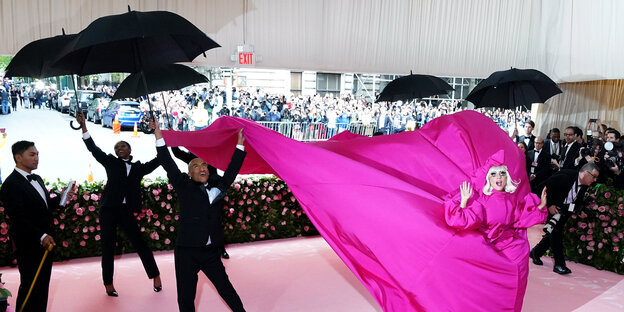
<point>510,187</point>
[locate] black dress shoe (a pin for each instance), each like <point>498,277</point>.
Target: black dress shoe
<point>112,293</point>
<point>536,260</point>
<point>560,269</point>
<point>225,255</point>
<point>157,288</point>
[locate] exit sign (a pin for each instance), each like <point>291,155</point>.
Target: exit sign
<point>245,58</point>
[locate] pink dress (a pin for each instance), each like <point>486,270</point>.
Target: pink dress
<point>502,219</point>
<point>379,203</point>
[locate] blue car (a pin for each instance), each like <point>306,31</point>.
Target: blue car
<point>127,112</point>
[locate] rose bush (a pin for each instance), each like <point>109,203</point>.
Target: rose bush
<point>597,238</point>
<point>256,208</point>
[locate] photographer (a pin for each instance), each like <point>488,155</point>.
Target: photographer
<point>612,160</point>
<point>566,196</point>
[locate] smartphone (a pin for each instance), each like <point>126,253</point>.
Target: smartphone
<point>593,120</point>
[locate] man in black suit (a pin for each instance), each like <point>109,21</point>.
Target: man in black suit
<point>528,138</point>
<point>121,197</point>
<point>566,192</point>
<point>538,165</point>
<point>200,233</point>
<point>553,144</point>
<point>213,179</point>
<point>28,205</point>
<point>570,150</point>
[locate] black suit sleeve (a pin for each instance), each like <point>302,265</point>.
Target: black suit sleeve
<point>184,156</point>
<point>150,166</point>
<point>232,170</point>
<point>173,172</point>
<point>20,213</point>
<point>97,153</point>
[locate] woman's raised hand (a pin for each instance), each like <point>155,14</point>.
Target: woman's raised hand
<point>466,193</point>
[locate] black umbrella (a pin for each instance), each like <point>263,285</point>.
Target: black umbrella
<point>413,87</point>
<point>513,88</point>
<point>161,78</point>
<point>35,59</point>
<point>134,41</point>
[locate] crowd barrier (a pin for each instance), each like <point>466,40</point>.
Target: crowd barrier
<point>317,131</point>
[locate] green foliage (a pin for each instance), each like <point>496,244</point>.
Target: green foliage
<point>255,209</point>
<point>598,239</point>
<point>4,61</point>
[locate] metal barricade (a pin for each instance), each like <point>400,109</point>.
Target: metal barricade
<point>316,131</point>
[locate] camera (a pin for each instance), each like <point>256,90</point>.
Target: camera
<point>552,222</point>
<point>587,151</point>
<point>614,155</point>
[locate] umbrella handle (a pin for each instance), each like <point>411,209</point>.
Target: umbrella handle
<point>71,124</point>
<point>32,285</point>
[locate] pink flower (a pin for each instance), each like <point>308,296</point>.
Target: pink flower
<point>599,245</point>
<point>590,237</point>
<point>167,241</point>
<point>263,197</point>
<point>602,209</point>
<point>79,211</point>
<point>253,236</point>
<point>169,197</point>
<point>155,192</point>
<point>283,223</point>
<point>85,229</point>
<point>620,199</point>
<point>306,228</point>
<point>607,195</point>
<point>240,202</point>
<point>154,236</point>
<point>97,237</point>
<point>271,188</point>
<point>85,196</point>
<point>272,228</point>
<point>591,244</point>
<point>266,224</point>
<point>168,217</point>
<point>261,236</point>
<point>83,243</point>
<point>65,244</point>
<point>614,222</point>
<point>247,218</point>
<point>148,212</point>
<point>62,216</point>
<point>85,236</point>
<point>156,198</point>
<point>582,238</point>
<point>265,183</point>
<point>62,226</point>
<point>268,199</point>
<point>230,227</point>
<point>255,202</point>
<point>238,220</point>
<point>237,186</point>
<point>94,197</point>
<point>142,229</point>
<point>163,204</point>
<point>616,248</point>
<point>87,218</point>
<point>91,208</point>
<point>244,227</point>
<point>171,229</point>
<point>589,257</point>
<point>168,206</point>
<point>92,229</point>
<point>4,231</point>
<point>590,231</point>
<point>283,203</point>
<point>169,187</point>
<point>55,221</point>
<point>292,199</point>
<point>248,201</point>
<point>157,223</point>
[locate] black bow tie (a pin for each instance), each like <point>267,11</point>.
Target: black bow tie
<point>31,177</point>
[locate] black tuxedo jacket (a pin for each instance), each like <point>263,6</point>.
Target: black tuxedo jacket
<point>559,185</point>
<point>531,144</point>
<point>29,216</point>
<point>543,168</point>
<point>198,218</point>
<point>547,146</point>
<point>568,162</point>
<point>121,185</point>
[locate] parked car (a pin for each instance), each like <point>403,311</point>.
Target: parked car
<point>63,101</point>
<point>127,112</point>
<point>84,98</point>
<point>96,108</point>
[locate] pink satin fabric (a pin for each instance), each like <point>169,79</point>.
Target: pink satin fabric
<point>379,203</point>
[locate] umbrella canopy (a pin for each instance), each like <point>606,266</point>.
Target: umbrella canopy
<point>35,59</point>
<point>161,78</point>
<point>413,87</point>
<point>133,41</point>
<point>513,88</point>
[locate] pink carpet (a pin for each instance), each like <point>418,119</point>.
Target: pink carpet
<point>300,274</point>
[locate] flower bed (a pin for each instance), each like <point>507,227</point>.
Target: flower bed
<point>257,208</point>
<point>597,239</point>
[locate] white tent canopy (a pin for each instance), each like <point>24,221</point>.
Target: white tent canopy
<point>569,40</point>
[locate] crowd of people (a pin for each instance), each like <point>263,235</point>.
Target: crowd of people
<point>566,168</point>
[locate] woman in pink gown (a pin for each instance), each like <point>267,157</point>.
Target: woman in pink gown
<point>500,217</point>
<point>380,204</point>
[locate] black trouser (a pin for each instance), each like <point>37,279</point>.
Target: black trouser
<point>27,263</point>
<point>554,240</point>
<point>188,262</point>
<point>110,218</point>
